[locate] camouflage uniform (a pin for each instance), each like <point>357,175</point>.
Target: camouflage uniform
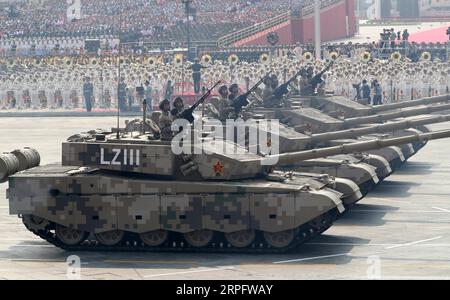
<point>165,124</point>
<point>267,96</point>
<point>225,108</point>
<point>306,89</point>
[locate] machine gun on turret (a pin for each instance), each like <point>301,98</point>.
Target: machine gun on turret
<point>283,89</point>
<point>242,100</point>
<point>187,114</point>
<point>317,79</point>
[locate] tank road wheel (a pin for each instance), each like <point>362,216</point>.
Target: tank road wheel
<point>280,239</point>
<point>69,236</point>
<point>199,238</point>
<point>110,238</point>
<point>35,223</point>
<point>154,238</point>
<point>321,223</point>
<point>241,239</point>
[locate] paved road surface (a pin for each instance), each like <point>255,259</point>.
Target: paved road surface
<point>402,227</point>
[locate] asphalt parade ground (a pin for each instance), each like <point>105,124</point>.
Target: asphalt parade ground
<point>400,231</point>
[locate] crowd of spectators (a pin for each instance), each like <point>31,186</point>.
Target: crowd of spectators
<point>58,82</point>
<point>144,17</point>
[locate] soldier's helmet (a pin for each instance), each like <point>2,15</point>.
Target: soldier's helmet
<point>223,90</point>
<point>177,100</point>
<point>234,87</point>
<point>163,103</point>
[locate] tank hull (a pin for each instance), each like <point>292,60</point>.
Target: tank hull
<point>97,203</point>
<point>363,175</point>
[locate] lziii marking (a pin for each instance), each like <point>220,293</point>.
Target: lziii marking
<point>119,157</point>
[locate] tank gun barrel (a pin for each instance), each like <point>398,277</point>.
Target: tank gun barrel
<point>16,161</point>
<point>382,128</point>
<point>289,158</point>
<point>412,103</point>
<point>394,115</point>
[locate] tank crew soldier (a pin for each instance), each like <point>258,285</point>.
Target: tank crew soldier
<point>294,87</point>
<point>306,89</point>
<point>178,107</point>
<point>225,109</point>
<point>88,92</point>
<point>196,68</point>
<point>274,82</point>
<point>233,92</point>
<point>165,121</point>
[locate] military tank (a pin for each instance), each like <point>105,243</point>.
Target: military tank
<point>311,120</point>
<point>117,191</point>
<point>353,114</point>
<point>340,165</point>
<point>324,113</point>
<point>134,193</point>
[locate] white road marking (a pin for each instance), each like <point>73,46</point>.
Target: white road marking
<point>31,246</point>
<point>37,260</point>
<point>414,243</point>
<point>20,240</point>
<point>441,209</point>
<point>309,258</point>
<point>188,272</point>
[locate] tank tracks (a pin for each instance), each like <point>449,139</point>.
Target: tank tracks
<point>176,243</point>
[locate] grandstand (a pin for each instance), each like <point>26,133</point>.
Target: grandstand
<point>162,23</point>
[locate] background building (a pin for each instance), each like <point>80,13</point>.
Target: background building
<point>379,9</point>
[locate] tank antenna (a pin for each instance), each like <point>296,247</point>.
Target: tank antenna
<point>118,76</point>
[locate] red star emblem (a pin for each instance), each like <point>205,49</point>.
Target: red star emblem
<point>219,169</point>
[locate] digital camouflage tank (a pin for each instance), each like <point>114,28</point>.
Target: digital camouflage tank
<point>312,113</point>
<point>341,165</point>
<point>134,193</point>
<point>345,113</point>
<point>310,120</point>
